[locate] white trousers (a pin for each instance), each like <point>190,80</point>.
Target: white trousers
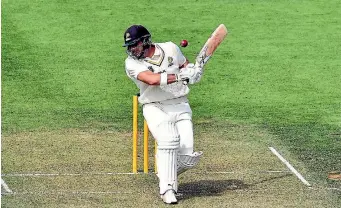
<point>179,115</point>
<point>171,126</point>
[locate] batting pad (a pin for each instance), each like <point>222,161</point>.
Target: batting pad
<point>186,162</point>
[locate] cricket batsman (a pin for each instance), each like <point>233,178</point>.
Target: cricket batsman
<point>162,73</point>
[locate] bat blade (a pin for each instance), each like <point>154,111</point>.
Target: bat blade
<point>211,45</point>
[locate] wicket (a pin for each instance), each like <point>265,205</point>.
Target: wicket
<point>145,140</point>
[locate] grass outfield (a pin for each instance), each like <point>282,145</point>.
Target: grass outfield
<point>275,81</point>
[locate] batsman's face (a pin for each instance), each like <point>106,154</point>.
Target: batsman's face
<point>136,50</point>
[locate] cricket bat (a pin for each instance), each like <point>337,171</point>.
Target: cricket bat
<point>211,45</point>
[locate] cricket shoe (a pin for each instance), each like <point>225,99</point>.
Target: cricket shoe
<point>169,197</point>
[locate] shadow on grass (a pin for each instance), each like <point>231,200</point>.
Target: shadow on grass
<point>218,187</point>
<point>209,188</point>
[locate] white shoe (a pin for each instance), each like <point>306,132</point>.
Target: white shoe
<point>169,197</point>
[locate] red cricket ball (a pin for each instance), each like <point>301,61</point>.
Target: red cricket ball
<point>184,43</point>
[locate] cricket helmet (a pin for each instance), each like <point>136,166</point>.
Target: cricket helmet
<point>136,33</point>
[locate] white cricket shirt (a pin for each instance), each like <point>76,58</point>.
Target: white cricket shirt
<point>167,58</point>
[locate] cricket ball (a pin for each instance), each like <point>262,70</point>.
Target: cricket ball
<point>184,43</point>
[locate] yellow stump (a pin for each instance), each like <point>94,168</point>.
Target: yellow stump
<point>135,136</point>
<point>145,141</point>
<point>145,147</point>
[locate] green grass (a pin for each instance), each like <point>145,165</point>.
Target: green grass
<point>278,71</point>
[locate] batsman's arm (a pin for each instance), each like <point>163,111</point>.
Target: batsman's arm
<point>151,78</point>
<point>184,65</point>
